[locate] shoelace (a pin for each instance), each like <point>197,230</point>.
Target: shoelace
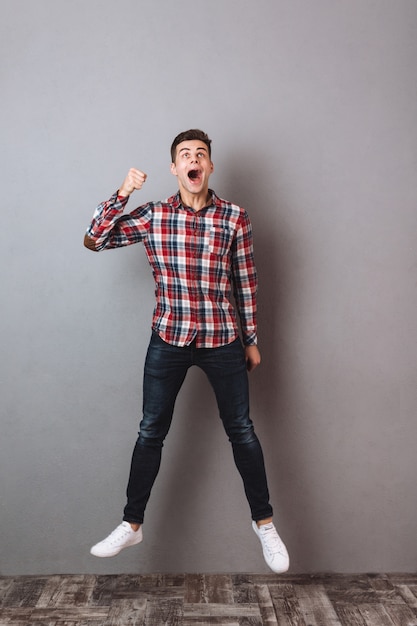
<point>272,541</point>
<point>118,534</point>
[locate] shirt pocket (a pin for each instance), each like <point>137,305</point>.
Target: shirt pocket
<point>220,240</point>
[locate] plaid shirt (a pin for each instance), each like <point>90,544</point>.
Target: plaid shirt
<point>199,259</point>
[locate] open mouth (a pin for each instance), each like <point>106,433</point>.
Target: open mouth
<point>194,175</point>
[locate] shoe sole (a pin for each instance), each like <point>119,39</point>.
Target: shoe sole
<point>103,556</point>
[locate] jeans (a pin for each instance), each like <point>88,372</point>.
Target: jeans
<point>165,370</point>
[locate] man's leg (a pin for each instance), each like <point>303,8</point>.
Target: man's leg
<point>226,370</point>
<point>164,372</point>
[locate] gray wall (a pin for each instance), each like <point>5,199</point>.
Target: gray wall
<point>312,110</point>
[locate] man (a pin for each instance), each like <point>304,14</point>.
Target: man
<point>200,250</point>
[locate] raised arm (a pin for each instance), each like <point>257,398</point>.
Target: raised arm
<point>109,228</point>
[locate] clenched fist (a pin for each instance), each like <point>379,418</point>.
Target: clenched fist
<point>134,180</point>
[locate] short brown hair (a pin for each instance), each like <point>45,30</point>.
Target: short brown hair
<point>189,135</point>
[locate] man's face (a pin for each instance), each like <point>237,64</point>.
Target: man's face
<point>192,166</point>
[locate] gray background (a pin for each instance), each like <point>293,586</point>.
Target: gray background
<point>312,110</point>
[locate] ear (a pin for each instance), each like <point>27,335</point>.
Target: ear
<point>173,169</point>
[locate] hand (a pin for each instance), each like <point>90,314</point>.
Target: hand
<point>253,357</point>
<point>134,180</point>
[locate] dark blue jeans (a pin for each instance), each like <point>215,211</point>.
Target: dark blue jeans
<point>165,369</point>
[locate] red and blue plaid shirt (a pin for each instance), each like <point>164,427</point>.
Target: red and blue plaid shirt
<point>199,261</point>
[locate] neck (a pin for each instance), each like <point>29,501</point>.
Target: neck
<point>195,201</point>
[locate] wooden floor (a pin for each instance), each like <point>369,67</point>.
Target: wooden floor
<point>197,599</point>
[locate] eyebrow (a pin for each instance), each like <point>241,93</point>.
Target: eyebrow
<point>200,148</point>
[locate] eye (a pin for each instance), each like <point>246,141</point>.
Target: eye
<point>200,154</point>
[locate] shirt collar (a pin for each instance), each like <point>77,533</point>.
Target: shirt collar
<point>176,200</point>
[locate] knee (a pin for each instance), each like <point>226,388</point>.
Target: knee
<point>152,432</point>
<point>149,440</point>
<point>242,435</point>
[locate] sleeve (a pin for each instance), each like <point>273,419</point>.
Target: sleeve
<point>109,228</point>
<point>245,281</point>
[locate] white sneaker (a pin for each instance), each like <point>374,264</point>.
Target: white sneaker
<point>275,552</point>
<point>122,537</point>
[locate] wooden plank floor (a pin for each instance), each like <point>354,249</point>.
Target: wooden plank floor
<point>201,599</point>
